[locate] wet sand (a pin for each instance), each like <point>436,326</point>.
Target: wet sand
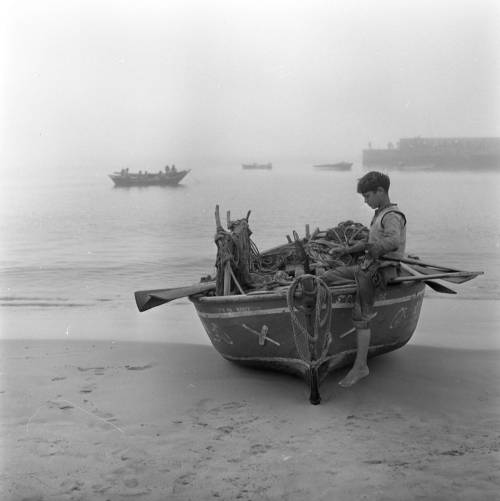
<point>88,420</point>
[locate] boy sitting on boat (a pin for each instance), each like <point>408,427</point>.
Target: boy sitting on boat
<point>387,237</point>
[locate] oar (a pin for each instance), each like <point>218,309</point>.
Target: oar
<point>449,278</point>
<point>454,280</point>
<point>435,275</point>
<point>150,299</point>
<point>433,285</point>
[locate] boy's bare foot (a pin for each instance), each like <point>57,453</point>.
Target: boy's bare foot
<point>353,376</point>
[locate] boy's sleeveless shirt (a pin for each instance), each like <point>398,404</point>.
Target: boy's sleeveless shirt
<point>388,229</point>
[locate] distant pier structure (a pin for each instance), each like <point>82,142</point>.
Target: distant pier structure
<point>450,153</point>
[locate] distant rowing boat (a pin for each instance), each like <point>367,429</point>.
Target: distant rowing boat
<point>258,166</point>
<point>337,166</point>
<point>167,178</point>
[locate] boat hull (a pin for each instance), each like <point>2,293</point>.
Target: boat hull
<point>256,330</point>
<point>127,180</point>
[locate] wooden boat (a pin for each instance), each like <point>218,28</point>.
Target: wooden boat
<point>258,166</point>
<point>301,326</point>
<point>337,166</point>
<point>257,330</point>
<point>126,179</point>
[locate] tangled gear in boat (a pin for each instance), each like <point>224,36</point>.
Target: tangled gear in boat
<point>236,254</point>
<point>242,268</point>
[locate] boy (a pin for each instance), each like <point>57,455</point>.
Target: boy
<point>387,237</point>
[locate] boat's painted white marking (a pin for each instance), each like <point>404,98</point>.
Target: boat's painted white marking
<point>262,334</point>
<point>247,312</point>
<point>400,316</point>
<point>350,331</point>
<point>219,335</point>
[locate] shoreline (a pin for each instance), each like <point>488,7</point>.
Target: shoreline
<point>463,323</point>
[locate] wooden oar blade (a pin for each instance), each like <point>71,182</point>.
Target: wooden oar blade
<point>451,275</point>
<point>148,299</point>
<point>439,287</point>
<point>433,285</point>
<point>465,277</point>
<point>145,301</point>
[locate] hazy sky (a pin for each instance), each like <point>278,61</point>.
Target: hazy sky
<point>143,83</point>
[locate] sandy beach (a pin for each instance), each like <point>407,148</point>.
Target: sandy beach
<point>96,420</point>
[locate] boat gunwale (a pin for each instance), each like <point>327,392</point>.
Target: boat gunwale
<point>271,295</point>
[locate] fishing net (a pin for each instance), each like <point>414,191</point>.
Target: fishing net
<point>250,269</point>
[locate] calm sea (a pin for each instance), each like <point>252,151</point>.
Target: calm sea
<point>74,248</point>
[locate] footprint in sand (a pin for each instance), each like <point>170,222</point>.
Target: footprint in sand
<point>185,479</point>
<point>375,461</point>
<point>138,367</point>
<point>131,482</point>
<point>98,371</point>
<point>259,448</point>
<point>225,429</point>
<point>70,486</point>
<point>60,404</point>
<point>88,388</point>
<point>452,452</point>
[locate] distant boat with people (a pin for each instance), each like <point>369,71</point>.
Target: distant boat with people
<point>170,176</point>
<point>337,166</point>
<point>258,166</point>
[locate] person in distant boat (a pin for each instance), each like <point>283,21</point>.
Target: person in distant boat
<point>387,237</point>
<point>174,170</point>
<point>167,169</point>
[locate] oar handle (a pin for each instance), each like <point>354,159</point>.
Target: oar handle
<point>410,270</point>
<point>437,275</point>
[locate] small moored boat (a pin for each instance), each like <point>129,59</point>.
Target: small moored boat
<point>258,166</point>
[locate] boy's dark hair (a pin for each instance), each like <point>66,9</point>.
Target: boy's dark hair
<point>372,180</point>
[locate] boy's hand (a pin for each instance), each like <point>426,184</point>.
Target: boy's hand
<point>374,250</point>
<point>338,251</point>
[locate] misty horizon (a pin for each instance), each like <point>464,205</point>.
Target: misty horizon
<point>129,84</point>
